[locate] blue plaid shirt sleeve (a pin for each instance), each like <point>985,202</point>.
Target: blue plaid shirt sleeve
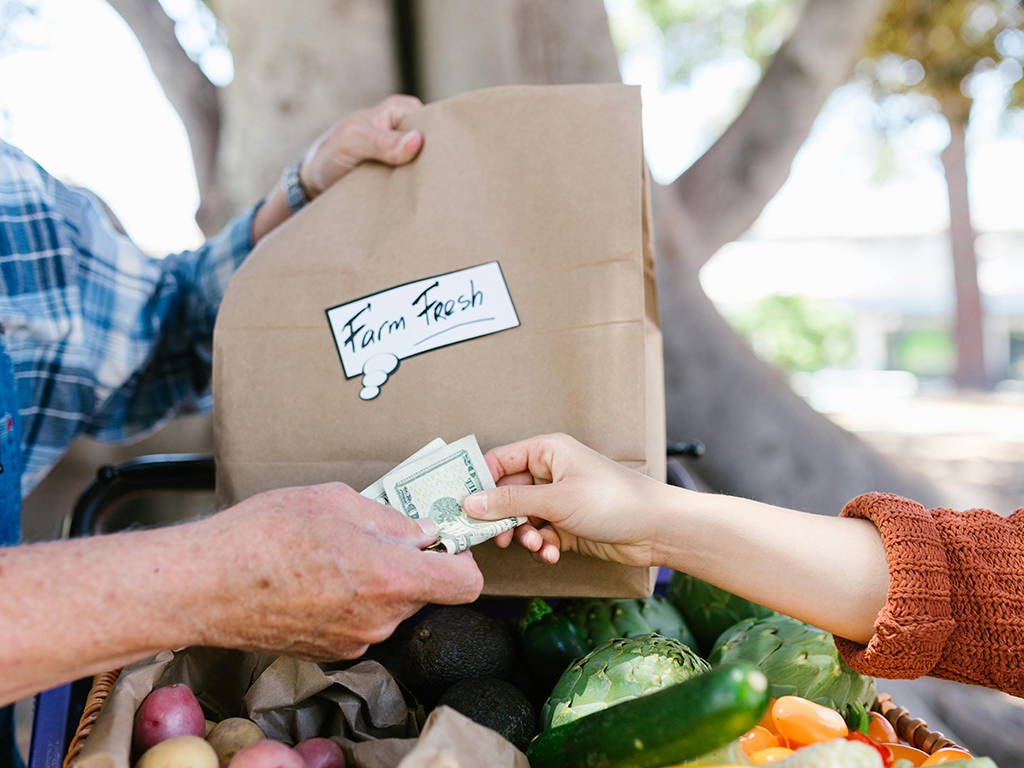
<point>104,339</point>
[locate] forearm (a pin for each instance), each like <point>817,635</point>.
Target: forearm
<point>828,571</point>
<point>74,608</point>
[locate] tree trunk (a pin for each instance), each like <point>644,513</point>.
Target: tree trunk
<point>463,45</point>
<point>724,191</point>
<point>299,67</point>
<point>970,354</point>
<point>763,441</point>
<point>192,95</point>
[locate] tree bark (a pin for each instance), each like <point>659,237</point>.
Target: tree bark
<point>299,67</point>
<point>970,350</point>
<point>463,45</point>
<point>724,191</point>
<point>763,441</point>
<point>192,95</point>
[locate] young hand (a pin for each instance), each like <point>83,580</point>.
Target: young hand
<point>575,499</point>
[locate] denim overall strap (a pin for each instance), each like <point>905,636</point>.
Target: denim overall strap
<point>10,514</point>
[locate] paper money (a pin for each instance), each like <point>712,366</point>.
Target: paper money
<point>435,486</point>
<point>376,490</point>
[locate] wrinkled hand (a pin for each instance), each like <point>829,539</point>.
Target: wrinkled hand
<point>576,500</point>
<point>322,572</point>
<point>370,134</point>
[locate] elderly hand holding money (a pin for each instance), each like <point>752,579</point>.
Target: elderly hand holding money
<point>318,572</point>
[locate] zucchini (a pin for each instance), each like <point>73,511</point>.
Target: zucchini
<point>672,725</point>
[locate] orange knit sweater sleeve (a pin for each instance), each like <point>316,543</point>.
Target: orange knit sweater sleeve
<point>955,607</point>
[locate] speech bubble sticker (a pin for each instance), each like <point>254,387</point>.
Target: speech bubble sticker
<point>374,333</point>
<point>374,379</point>
<point>385,363</point>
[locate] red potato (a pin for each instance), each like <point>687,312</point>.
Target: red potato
<point>267,754</point>
<point>167,712</point>
<point>321,753</point>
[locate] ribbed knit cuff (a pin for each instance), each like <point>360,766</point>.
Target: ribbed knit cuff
<point>912,629</point>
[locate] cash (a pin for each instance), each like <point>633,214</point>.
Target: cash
<point>376,491</point>
<point>434,483</point>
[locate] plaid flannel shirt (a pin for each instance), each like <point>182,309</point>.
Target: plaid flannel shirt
<point>104,339</point>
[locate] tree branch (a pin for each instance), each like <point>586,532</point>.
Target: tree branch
<point>726,189</point>
<point>189,91</point>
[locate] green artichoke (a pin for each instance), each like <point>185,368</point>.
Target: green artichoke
<point>620,670</point>
<point>709,611</point>
<point>797,659</point>
<point>601,619</point>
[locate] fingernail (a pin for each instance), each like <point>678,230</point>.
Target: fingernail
<point>410,142</point>
<point>428,525</point>
<point>476,503</point>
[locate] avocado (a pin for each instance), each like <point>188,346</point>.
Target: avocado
<point>495,704</point>
<point>452,644</point>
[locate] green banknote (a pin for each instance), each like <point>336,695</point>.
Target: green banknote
<point>435,485</point>
<point>376,491</point>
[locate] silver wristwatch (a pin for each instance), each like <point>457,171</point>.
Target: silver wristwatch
<point>294,192</point>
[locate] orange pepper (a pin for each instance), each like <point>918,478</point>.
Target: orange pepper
<point>947,755</point>
<point>805,722</point>
<point>770,755</point>
<point>915,756</point>
<point>758,738</point>
<point>881,730</point>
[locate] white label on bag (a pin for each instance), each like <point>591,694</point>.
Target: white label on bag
<point>377,331</point>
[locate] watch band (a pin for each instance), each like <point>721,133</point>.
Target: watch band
<point>294,192</point>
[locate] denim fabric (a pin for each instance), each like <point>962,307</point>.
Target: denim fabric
<point>10,514</point>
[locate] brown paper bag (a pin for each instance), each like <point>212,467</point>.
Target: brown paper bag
<point>452,740</point>
<point>509,269</point>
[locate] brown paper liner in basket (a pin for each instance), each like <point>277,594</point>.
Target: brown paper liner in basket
<point>911,730</point>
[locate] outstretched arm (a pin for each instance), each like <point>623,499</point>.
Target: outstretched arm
<point>827,571</point>
<point>317,572</point>
<point>907,591</point>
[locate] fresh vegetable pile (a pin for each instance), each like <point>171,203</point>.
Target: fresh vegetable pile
<point>798,733</point>
<point>775,689</point>
<point>617,683</point>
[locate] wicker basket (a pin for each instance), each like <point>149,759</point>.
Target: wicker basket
<point>101,685</point>
<point>913,731</point>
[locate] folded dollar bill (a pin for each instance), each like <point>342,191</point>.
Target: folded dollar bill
<point>433,483</point>
<point>376,491</point>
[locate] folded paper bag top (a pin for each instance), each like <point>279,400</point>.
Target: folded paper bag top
<point>502,284</point>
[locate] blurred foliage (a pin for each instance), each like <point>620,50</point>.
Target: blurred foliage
<point>938,47</point>
<point>925,352</point>
<point>796,333</point>
<point>695,32</point>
